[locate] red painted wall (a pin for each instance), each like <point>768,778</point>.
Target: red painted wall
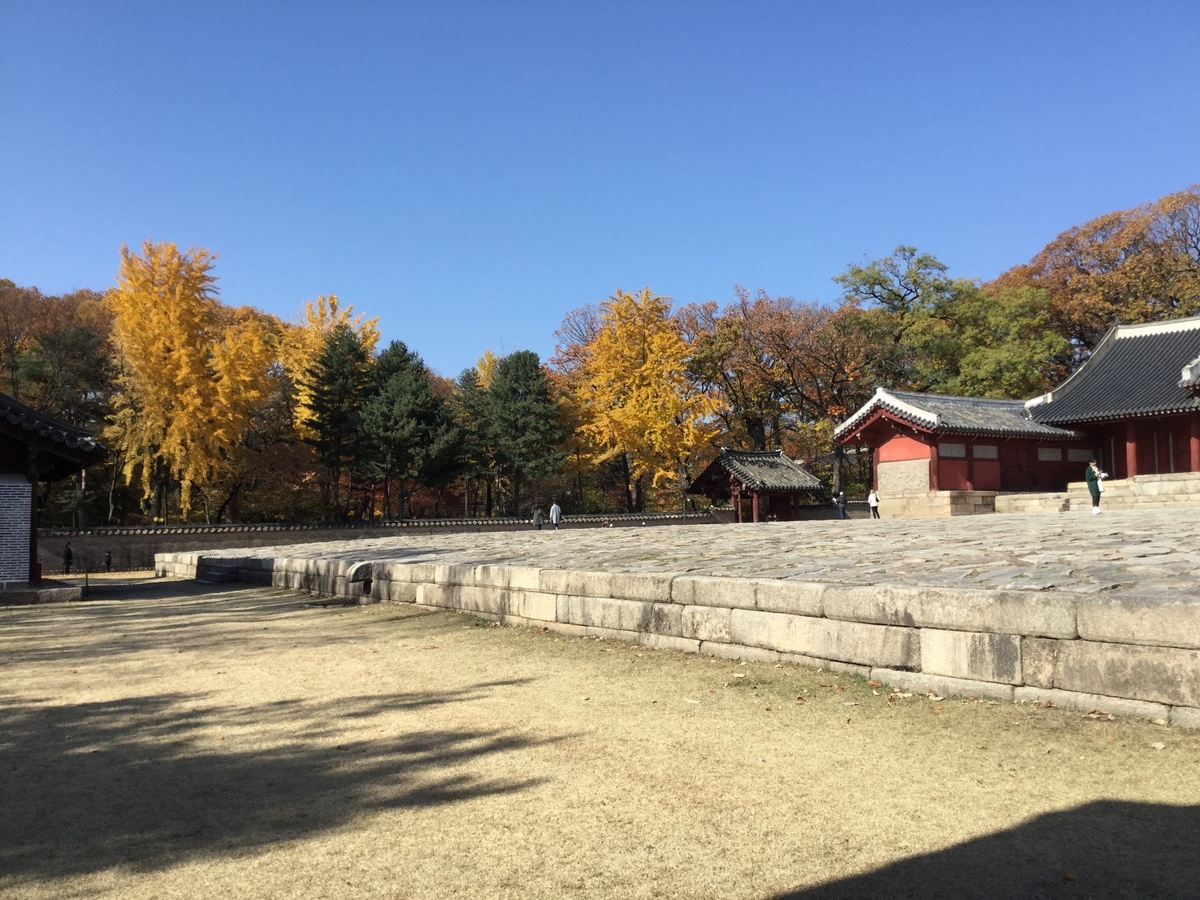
<point>901,447</point>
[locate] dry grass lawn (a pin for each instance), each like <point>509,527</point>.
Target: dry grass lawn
<point>175,741</point>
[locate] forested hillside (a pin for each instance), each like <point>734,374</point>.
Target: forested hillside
<point>225,413</point>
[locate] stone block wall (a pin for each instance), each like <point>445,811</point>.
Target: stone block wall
<point>903,477</point>
<point>1033,503</point>
<point>1178,490</point>
<point>1131,656</point>
<point>925,504</point>
<point>15,495</point>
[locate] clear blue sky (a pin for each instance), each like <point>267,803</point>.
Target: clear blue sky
<point>470,172</point>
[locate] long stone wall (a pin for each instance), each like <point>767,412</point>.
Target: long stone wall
<point>1125,656</point>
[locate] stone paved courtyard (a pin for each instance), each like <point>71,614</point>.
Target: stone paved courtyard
<point>1153,552</point>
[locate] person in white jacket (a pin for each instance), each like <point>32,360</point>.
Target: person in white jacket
<point>555,515</point>
<point>873,502</point>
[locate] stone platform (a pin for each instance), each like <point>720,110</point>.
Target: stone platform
<point>48,591</point>
<point>1093,612</point>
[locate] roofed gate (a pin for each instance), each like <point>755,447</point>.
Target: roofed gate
<point>762,474</point>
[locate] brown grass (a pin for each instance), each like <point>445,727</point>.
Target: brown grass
<point>247,743</point>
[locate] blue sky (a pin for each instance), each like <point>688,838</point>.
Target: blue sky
<point>470,172</point>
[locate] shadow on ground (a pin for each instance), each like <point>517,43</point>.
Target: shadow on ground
<point>1101,851</point>
<point>149,781</point>
<point>194,618</point>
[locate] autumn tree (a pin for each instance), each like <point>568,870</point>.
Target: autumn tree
<point>635,402</point>
<point>1132,265</point>
<point>302,342</point>
<point>190,373</point>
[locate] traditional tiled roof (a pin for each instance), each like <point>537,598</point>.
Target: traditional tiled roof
<point>71,446</point>
<point>947,414</point>
<point>762,471</point>
<point>1134,371</point>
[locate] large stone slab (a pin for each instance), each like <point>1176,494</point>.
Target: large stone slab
<point>920,682</point>
<point>978,656</point>
<point>1117,706</point>
<point>726,593</point>
<point>1162,618</point>
<point>655,587</point>
<point>1041,614</point>
<point>575,583</point>
<point>533,605</point>
<point>605,613</point>
<point>853,642</point>
<point>706,623</point>
<point>1185,716</point>
<point>1039,656</point>
<point>1158,674</point>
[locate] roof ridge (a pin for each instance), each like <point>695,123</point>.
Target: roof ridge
<point>1163,326</point>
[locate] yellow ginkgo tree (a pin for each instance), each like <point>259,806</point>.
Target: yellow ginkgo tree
<point>303,342</point>
<point>191,373</point>
<point>632,395</point>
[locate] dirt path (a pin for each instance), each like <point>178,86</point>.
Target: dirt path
<point>246,743</point>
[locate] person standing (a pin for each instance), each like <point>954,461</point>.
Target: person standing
<point>68,558</point>
<point>1095,484</point>
<point>555,515</point>
<point>108,561</point>
<point>873,502</point>
<point>841,504</point>
<point>537,518</point>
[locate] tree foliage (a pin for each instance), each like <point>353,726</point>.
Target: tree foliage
<point>191,371</point>
<point>632,397</point>
<point>338,383</point>
<point>413,437</point>
<point>1132,265</point>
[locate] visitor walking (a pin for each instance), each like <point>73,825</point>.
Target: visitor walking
<point>1095,484</point>
<point>555,515</point>
<point>841,505</point>
<point>873,502</point>
<point>537,518</point>
<point>68,558</point>
<point>108,561</point>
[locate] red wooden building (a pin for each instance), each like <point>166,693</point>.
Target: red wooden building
<point>1128,405</point>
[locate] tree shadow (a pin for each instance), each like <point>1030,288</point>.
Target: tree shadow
<point>182,617</point>
<point>1102,851</point>
<point>148,782</point>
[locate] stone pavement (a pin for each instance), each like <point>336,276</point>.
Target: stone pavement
<point>1155,553</point>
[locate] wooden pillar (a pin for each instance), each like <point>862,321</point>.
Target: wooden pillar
<point>1131,465</point>
<point>754,505</point>
<point>1194,443</point>
<point>933,466</point>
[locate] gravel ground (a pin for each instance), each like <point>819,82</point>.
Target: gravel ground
<point>168,740</point>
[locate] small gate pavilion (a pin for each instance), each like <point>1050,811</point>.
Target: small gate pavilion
<point>33,448</point>
<point>765,475</point>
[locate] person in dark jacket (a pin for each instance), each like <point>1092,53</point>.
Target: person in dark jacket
<point>537,518</point>
<point>841,504</point>
<point>68,558</point>
<point>1095,484</point>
